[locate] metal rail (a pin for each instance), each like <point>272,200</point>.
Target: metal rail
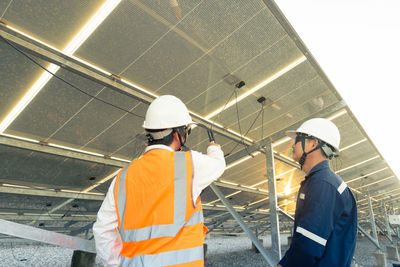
<point>242,224</point>
<point>32,233</point>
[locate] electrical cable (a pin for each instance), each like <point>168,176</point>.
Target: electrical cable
<point>248,130</point>
<point>219,114</point>
<point>240,129</point>
<point>237,115</point>
<point>262,123</point>
<point>65,81</point>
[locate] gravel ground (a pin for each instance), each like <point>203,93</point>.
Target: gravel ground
<point>365,249</point>
<point>232,251</point>
<point>236,251</point>
<point>222,251</point>
<point>36,254</point>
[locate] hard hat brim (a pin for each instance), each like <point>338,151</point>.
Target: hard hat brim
<point>292,134</point>
<point>146,127</point>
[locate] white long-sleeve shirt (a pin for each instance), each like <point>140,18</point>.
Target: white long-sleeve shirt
<point>206,169</point>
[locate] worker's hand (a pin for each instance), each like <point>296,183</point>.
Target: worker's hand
<point>278,265</point>
<point>213,144</point>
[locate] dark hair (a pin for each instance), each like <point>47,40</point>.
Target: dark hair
<point>166,140</point>
<point>183,132</point>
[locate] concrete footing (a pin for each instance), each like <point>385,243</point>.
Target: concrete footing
<point>83,259</point>
<point>392,253</point>
<point>253,247</point>
<point>380,259</point>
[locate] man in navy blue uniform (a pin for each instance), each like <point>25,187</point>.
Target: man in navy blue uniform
<point>325,225</point>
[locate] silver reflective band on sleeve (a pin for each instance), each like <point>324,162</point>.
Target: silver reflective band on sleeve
<point>165,258</point>
<point>342,187</point>
<point>121,195</point>
<point>166,230</point>
<point>310,235</point>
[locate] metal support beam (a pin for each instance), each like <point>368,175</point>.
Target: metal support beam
<point>373,240</point>
<point>241,188</point>
<point>32,233</point>
<point>372,219</point>
<point>48,193</point>
<point>37,211</point>
<point>249,233</point>
<point>8,141</point>
<point>398,233</point>
<point>383,231</point>
<point>47,217</point>
<point>389,235</point>
<point>273,205</point>
<point>224,209</point>
<point>286,214</point>
<point>88,196</point>
<point>217,222</point>
<point>58,229</point>
<point>395,231</point>
<point>289,162</point>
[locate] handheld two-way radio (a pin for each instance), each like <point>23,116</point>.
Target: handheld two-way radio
<point>210,135</point>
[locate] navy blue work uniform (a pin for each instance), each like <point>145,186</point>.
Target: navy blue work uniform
<point>325,225</point>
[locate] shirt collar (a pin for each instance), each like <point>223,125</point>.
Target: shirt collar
<point>322,165</point>
<point>158,147</point>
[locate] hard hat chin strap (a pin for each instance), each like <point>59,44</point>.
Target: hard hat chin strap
<point>182,135</point>
<point>303,145</point>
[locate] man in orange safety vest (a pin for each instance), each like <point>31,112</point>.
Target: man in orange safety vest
<point>152,214</point>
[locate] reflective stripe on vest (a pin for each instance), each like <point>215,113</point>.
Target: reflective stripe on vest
<point>165,258</point>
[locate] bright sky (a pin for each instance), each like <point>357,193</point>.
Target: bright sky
<point>357,44</point>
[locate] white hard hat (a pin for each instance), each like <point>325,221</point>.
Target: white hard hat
<point>166,111</point>
<point>320,128</point>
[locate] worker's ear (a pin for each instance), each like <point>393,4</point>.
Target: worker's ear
<point>314,143</point>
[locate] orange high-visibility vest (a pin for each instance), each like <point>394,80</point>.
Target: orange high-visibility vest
<point>159,222</point>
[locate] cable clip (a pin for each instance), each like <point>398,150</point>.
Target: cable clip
<point>115,77</point>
